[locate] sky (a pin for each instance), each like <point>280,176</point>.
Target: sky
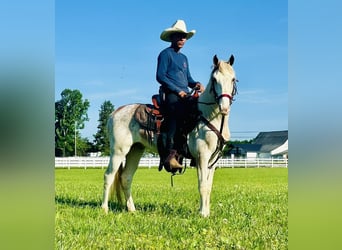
<point>108,51</point>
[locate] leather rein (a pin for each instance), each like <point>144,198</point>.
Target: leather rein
<point>221,142</point>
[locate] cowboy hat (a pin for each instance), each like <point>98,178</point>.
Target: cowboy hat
<point>178,27</point>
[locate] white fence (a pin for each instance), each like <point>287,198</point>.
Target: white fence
<point>102,162</point>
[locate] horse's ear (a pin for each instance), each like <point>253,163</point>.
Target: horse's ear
<point>231,60</point>
<point>215,60</point>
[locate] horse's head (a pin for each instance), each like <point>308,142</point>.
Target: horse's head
<point>223,83</point>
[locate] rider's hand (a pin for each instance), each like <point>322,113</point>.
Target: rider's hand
<point>182,94</point>
<point>199,86</point>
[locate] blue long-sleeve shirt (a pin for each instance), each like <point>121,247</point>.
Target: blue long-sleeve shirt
<point>173,71</point>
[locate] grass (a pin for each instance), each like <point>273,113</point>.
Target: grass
<point>248,211</point>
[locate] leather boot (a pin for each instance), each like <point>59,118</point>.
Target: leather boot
<point>171,160</point>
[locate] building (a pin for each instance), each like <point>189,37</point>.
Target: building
<point>265,145</point>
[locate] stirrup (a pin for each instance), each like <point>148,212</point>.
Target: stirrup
<point>180,172</point>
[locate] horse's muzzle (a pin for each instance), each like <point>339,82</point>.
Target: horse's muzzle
<point>224,108</point>
<point>224,111</point>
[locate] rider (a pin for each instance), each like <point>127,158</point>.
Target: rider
<point>174,76</point>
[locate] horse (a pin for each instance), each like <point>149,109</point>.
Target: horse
<point>205,141</point>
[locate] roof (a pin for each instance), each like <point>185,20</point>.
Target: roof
<point>283,149</point>
<point>270,140</point>
<point>248,147</point>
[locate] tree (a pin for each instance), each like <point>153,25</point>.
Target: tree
<point>101,137</point>
<point>230,145</point>
<point>83,146</point>
<point>70,115</point>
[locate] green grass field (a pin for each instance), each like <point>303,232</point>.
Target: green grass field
<point>249,210</point>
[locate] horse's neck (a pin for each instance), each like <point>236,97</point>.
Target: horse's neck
<point>211,111</point>
<point>208,106</point>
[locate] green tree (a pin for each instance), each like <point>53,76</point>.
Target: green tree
<point>70,115</point>
<point>83,146</point>
<point>231,144</point>
<point>101,137</point>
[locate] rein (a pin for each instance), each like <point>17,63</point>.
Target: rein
<point>220,139</point>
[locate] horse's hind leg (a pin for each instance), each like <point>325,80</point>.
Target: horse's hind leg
<point>132,161</point>
<point>113,166</point>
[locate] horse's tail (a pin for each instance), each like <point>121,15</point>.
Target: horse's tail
<point>116,187</point>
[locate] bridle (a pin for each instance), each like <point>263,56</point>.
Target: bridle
<point>217,96</point>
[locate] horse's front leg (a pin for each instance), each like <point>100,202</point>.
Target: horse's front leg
<point>205,181</point>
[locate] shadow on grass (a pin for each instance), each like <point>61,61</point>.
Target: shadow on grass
<point>78,203</point>
<point>72,202</point>
<point>163,208</point>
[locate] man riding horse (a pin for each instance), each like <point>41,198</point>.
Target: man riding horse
<point>129,126</point>
<point>174,76</point>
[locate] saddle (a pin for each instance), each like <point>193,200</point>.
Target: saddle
<point>150,118</point>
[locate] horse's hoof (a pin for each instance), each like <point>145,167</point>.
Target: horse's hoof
<point>204,215</point>
<point>105,209</point>
<point>131,209</point>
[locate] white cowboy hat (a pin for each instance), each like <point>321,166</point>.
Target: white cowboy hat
<point>178,27</point>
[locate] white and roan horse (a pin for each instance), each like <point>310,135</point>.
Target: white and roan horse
<point>126,143</point>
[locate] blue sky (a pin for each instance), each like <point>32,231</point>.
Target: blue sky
<point>108,50</point>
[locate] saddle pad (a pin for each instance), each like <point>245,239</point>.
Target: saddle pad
<point>148,117</point>
<point>141,116</point>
